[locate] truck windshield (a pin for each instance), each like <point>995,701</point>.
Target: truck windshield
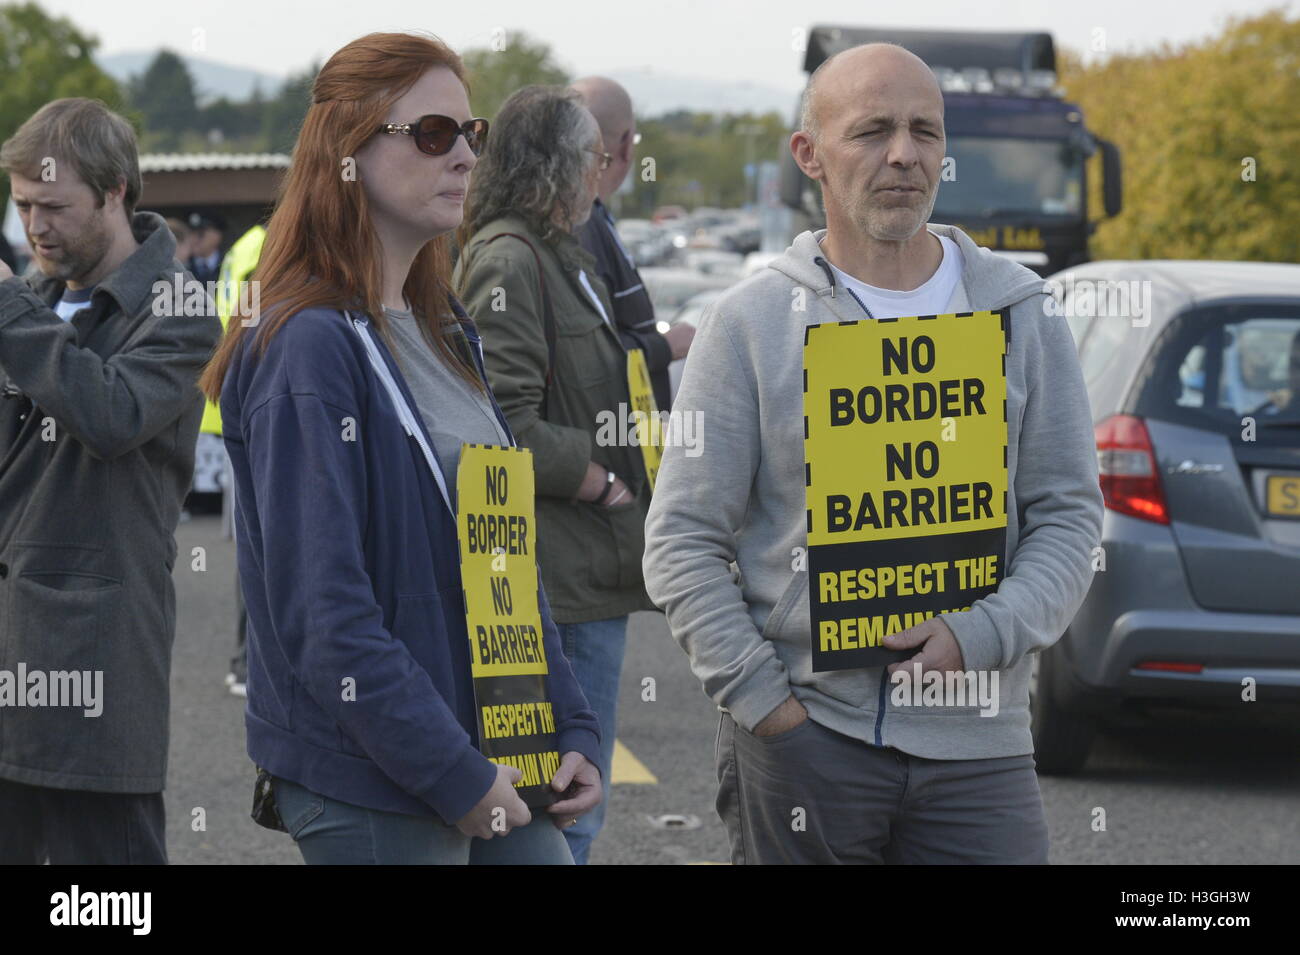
<point>1006,178</point>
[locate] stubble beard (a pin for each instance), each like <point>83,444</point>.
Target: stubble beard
<point>82,256</point>
<point>891,224</point>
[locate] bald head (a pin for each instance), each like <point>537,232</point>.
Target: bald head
<point>609,103</point>
<point>872,136</point>
<point>867,70</point>
<point>612,107</point>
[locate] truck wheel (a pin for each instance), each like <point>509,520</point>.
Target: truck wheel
<point>1062,735</point>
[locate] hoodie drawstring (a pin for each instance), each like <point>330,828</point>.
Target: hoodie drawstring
<point>826,267</point>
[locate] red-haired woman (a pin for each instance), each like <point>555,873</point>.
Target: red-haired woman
<point>345,403</point>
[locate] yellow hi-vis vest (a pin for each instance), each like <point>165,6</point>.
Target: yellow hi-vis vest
<point>236,267</point>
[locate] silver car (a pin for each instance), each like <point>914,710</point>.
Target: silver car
<point>1193,372</point>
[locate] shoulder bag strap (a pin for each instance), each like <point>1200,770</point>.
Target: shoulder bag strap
<point>548,317</point>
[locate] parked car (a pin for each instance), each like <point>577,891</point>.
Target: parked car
<point>649,244</point>
<point>1197,421</point>
<point>667,214</point>
<point>715,262</point>
<point>744,236</point>
<point>670,288</point>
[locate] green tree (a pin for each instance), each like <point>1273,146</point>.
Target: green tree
<point>44,58</point>
<point>1208,134</point>
<point>164,96</point>
<point>282,116</point>
<point>495,74</point>
<point>700,158</point>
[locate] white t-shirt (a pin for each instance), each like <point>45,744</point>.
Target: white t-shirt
<point>72,302</point>
<point>929,298</point>
<point>595,299</point>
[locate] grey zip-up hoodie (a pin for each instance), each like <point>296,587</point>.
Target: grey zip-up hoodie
<point>739,496</point>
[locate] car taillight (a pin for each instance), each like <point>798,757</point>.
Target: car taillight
<point>1127,467</point>
<point>1165,666</point>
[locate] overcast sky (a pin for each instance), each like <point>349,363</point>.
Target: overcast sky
<point>748,41</point>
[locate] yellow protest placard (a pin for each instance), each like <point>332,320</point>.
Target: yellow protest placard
<point>498,562</point>
<point>497,536</point>
<point>905,449</point>
<point>649,430</point>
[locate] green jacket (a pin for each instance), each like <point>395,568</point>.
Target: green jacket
<point>590,556</point>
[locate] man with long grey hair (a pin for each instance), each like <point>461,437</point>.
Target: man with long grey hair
<point>559,369</point>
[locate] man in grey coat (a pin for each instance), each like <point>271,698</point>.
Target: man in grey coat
<point>98,422</point>
<point>823,765</point>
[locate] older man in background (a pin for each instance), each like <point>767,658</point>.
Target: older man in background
<point>634,314</point>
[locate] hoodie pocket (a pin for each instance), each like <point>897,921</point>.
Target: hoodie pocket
<point>796,588</point>
<point>789,627</point>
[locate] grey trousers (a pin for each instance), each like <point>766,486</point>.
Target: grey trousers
<point>76,827</point>
<point>814,796</point>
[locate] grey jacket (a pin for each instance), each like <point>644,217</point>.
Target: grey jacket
<point>742,500</point>
<point>87,518</point>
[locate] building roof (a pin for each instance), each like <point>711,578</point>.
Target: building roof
<point>192,162</point>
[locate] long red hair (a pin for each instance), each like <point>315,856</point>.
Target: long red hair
<point>320,248</point>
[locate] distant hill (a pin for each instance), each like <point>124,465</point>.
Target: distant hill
<point>212,79</point>
<point>653,93</point>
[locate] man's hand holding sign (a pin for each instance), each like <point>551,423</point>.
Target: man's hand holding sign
<point>939,649</point>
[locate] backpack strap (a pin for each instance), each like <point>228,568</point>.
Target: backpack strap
<point>548,316</point>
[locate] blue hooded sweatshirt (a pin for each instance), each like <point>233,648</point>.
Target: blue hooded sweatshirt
<point>350,570</point>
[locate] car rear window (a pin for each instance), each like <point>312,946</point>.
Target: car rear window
<point>1216,368</point>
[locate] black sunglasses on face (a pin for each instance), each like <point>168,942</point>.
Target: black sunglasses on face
<point>435,135</point>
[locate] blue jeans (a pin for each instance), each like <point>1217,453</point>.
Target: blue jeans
<point>595,651</point>
<point>330,832</point>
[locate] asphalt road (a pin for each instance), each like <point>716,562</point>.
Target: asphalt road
<point>1182,787</point>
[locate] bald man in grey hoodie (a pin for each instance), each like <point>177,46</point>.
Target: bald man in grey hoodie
<point>825,766</point>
